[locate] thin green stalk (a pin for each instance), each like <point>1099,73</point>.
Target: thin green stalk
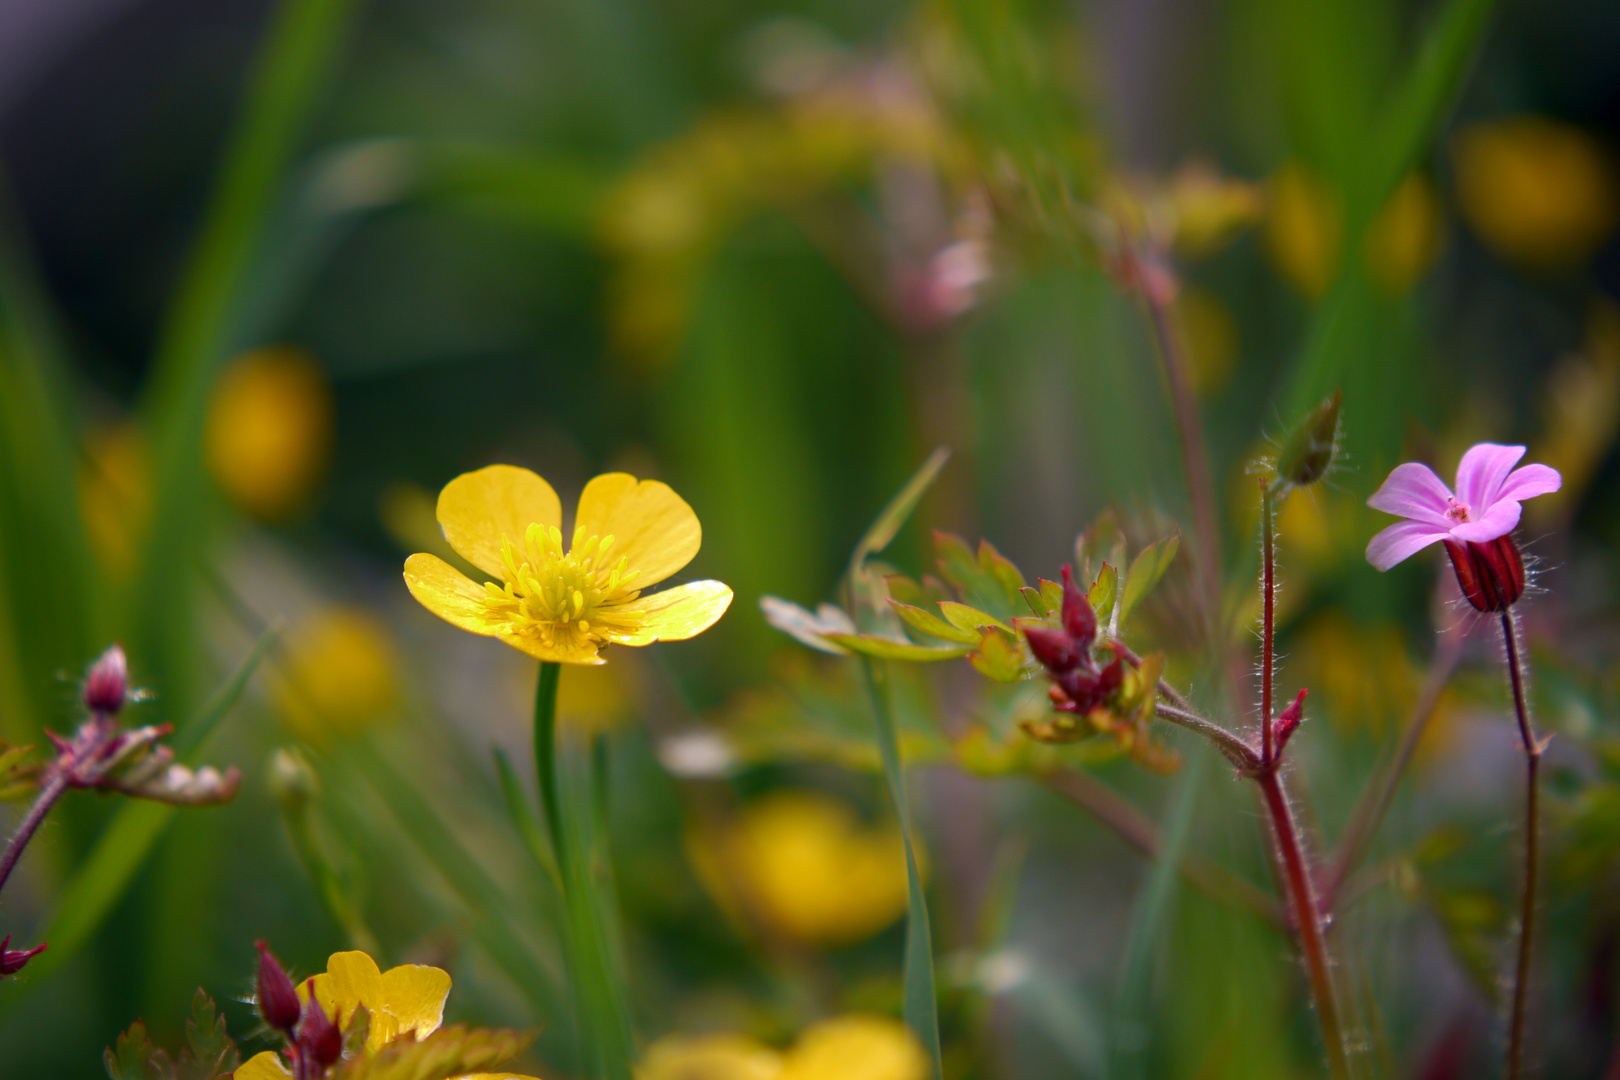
<point>921,1008</point>
<point>603,1019</point>
<point>1527,909</point>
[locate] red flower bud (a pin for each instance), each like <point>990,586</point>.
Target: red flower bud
<point>12,960</point>
<point>320,1040</point>
<point>277,998</point>
<point>1290,719</point>
<point>1110,679</point>
<point>1078,618</point>
<point>1055,650</point>
<point>1490,575</point>
<point>106,687</point>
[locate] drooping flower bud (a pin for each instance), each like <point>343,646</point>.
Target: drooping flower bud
<point>1491,574</point>
<point>1307,453</point>
<point>1286,724</point>
<point>320,1040</point>
<point>1056,650</point>
<point>277,998</point>
<point>13,960</point>
<point>1078,617</point>
<point>106,687</point>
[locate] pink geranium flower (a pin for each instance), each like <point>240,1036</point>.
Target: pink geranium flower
<point>1484,507</point>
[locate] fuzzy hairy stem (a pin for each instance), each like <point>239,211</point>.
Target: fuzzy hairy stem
<point>1527,907</point>
<point>1237,751</point>
<point>1268,588</point>
<point>53,790</point>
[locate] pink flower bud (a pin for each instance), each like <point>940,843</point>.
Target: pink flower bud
<point>1078,617</point>
<point>320,1040</point>
<point>1490,574</point>
<point>1290,719</point>
<point>106,687</point>
<point>277,998</point>
<point>13,960</point>
<point>1055,650</point>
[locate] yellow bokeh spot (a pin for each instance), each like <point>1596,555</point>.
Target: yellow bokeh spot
<point>1406,238</point>
<point>1581,411</point>
<point>709,1057</point>
<point>1540,194</point>
<point>115,493</point>
<point>269,433</point>
<point>341,674</point>
<point>1303,230</point>
<point>1209,337</point>
<point>857,1047</point>
<point>806,864</point>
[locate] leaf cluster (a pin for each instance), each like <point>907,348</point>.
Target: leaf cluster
<point>210,1052</point>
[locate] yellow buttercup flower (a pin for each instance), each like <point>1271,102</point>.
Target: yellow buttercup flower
<point>405,1002</point>
<point>565,605</point>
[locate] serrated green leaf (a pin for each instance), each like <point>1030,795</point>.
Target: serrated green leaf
<point>979,580</point>
<point>1036,602</point>
<point>1002,571</point>
<point>1051,596</point>
<point>1146,570</point>
<point>970,618</point>
<point>212,1051</point>
<point>998,657</point>
<point>132,1056</point>
<point>880,648</point>
<point>448,1052</point>
<point>928,623</point>
<point>1097,542</point>
<point>1102,591</point>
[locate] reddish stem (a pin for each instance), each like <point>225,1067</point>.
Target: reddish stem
<point>1269,604</point>
<point>1527,908</point>
<point>53,790</point>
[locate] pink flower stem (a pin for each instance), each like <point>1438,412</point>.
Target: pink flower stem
<point>1527,908</point>
<point>53,790</point>
<point>1194,455</point>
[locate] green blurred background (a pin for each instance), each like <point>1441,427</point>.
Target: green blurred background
<point>271,274</point>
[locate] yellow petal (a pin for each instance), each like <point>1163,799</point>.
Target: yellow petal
<point>676,614</point>
<point>651,526</point>
<point>477,509</point>
<point>565,652</point>
<point>414,994</point>
<point>494,1076</point>
<point>264,1065</point>
<point>449,594</point>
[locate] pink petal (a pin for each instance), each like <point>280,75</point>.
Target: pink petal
<point>1530,481</point>
<point>1480,474</point>
<point>1499,520</point>
<point>1401,541</point>
<point>1413,491</point>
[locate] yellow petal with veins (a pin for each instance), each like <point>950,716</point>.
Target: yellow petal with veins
<point>571,651</point>
<point>677,614</point>
<point>414,995</point>
<point>652,527</point>
<point>264,1065</point>
<point>477,509</point>
<point>449,594</point>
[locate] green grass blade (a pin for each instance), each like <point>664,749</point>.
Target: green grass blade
<point>130,836</point>
<point>887,525</point>
<point>922,1009</point>
<point>523,819</point>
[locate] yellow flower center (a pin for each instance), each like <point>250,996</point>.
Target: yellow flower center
<point>564,598</point>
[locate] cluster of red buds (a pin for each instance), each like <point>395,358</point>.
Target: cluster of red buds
<point>1490,574</point>
<point>1079,685</point>
<point>314,1040</point>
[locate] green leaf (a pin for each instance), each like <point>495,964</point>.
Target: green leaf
<point>984,580</point>
<point>921,1005</point>
<point>969,618</point>
<point>998,657</point>
<point>1052,596</point>
<point>881,648</point>
<point>1036,602</point>
<point>523,819</point>
<point>1103,590</point>
<point>928,623</point>
<point>133,1057</point>
<point>888,522</point>
<point>1146,570</point>
<point>212,1050</point>
<point>1002,571</point>
<point>447,1052</point>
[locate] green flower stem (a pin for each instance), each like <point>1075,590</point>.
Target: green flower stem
<point>1527,911</point>
<point>599,1000</point>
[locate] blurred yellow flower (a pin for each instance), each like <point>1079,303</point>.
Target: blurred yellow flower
<point>1581,410</point>
<point>1302,230</point>
<point>852,1047</point>
<point>856,1047</point>
<point>341,673</point>
<point>402,1002</point>
<point>270,430</point>
<point>805,863</point>
<point>1538,193</point>
<point>1406,237</point>
<point>565,606</point>
<point>115,493</point>
<point>1208,336</point>
<point>709,1057</point>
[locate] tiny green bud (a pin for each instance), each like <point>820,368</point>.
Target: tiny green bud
<point>292,781</point>
<point>1308,452</point>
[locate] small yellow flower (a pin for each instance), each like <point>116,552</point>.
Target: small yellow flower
<point>341,674</point>
<point>804,862</point>
<point>402,1002</point>
<point>1303,230</point>
<point>856,1047</point>
<point>270,430</point>
<point>558,605</point>
<point>709,1057</point>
